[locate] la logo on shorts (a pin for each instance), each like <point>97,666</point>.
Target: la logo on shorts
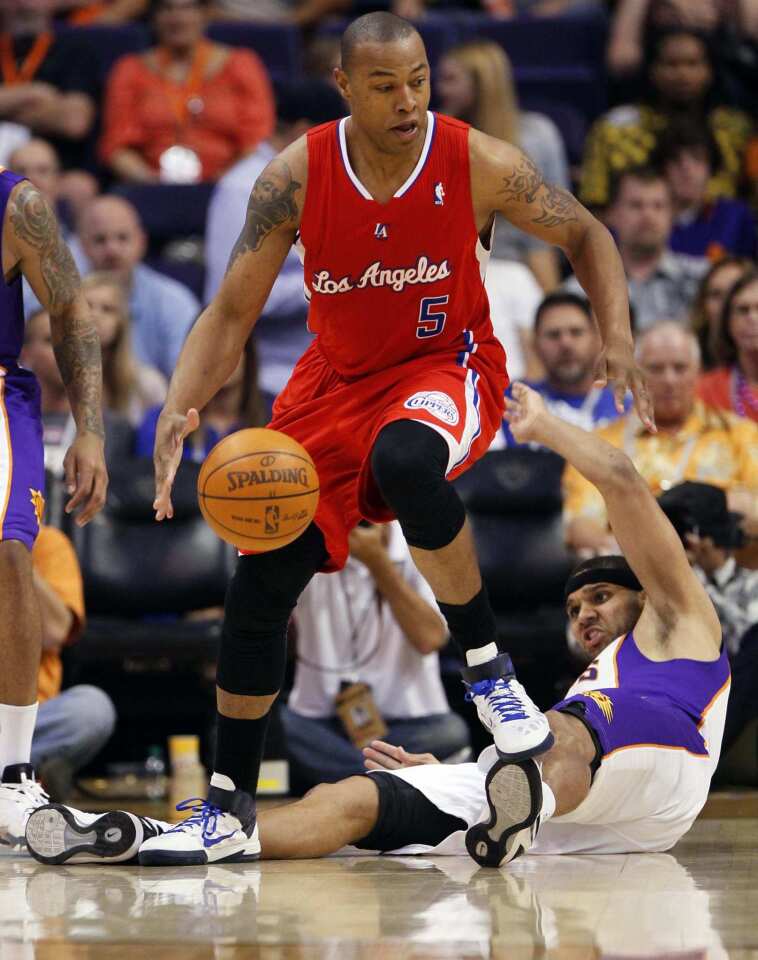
<point>440,405</point>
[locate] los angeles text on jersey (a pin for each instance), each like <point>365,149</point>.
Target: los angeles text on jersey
<point>377,275</point>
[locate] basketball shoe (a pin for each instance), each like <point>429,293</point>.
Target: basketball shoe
<point>514,797</point>
<point>20,794</point>
<point>519,729</point>
<point>57,834</point>
<point>221,829</point>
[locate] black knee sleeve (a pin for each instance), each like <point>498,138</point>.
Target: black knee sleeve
<point>409,461</point>
<point>259,601</point>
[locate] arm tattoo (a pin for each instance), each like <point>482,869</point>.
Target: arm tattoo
<point>272,203</point>
<point>75,339</point>
<point>525,185</point>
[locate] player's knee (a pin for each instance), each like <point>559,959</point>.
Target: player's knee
<point>354,800</point>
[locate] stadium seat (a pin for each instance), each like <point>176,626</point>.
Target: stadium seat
<point>110,42</point>
<point>277,44</point>
<point>167,210</point>
<point>438,33</point>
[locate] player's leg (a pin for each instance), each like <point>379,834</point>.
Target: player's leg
<point>409,463</point>
<point>523,795</point>
<point>259,601</point>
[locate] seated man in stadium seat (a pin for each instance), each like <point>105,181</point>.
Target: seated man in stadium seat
<point>636,739</point>
<point>161,308</point>
<point>374,623</point>
<point>693,442</point>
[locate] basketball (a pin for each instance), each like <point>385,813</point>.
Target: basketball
<point>258,489</point>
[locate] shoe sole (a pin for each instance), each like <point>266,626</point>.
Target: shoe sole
<point>189,858</point>
<point>543,747</point>
<point>514,797</point>
<point>54,836</point>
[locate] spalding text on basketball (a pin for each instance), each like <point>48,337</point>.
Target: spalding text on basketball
<point>250,478</point>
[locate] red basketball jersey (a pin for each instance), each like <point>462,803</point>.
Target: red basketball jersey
<point>390,282</point>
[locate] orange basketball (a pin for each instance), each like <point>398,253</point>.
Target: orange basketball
<point>258,489</point>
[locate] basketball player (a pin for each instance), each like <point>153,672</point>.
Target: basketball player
<point>636,740</point>
<point>402,389</point>
<point>32,247</point>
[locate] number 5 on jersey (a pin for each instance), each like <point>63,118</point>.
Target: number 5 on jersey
<point>431,321</point>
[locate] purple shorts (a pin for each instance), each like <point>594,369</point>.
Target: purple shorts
<point>22,458</point>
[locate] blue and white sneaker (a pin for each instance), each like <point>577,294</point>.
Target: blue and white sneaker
<point>221,829</point>
<point>519,729</point>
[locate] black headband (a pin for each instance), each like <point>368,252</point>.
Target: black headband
<point>602,570</point>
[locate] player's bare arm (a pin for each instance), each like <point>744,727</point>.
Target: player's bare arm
<point>505,180</point>
<point>214,344</point>
<point>36,248</point>
<point>678,619</point>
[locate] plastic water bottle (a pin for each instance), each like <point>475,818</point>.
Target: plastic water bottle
<point>155,774</point>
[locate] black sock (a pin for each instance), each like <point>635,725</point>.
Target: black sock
<point>239,750</point>
<point>471,624</point>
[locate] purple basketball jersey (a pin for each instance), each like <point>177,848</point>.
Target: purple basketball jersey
<point>11,298</point>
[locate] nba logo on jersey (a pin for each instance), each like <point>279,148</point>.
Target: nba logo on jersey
<point>380,231</point>
<point>439,194</point>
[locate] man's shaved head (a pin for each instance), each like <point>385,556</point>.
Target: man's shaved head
<point>373,28</point>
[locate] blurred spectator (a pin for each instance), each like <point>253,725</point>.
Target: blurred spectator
<point>50,83</point>
<point>661,283</point>
<point>281,334</point>
<point>568,346</point>
<point>474,82</point>
<point>161,308</point>
<point>693,442</point>
<point>709,302</point>
<point>680,77</point>
<point>375,622</point>
<point>734,385</point>
<point>237,405</point>
<point>304,13</point>
<point>83,12</point>
<point>186,109</point>
<point>129,387</point>
<point>12,136</point>
<point>72,725</point>
<point>688,156</point>
<point>514,296</point>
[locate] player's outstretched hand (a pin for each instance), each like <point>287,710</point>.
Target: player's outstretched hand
<point>386,756</point>
<point>618,368</point>
<point>523,411</point>
<point>86,476</point>
<point>167,455</point>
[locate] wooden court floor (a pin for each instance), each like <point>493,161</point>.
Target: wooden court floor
<point>699,902</point>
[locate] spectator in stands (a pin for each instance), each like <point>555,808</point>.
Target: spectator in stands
<point>734,385</point>
<point>693,442</point>
<point>709,303</point>
<point>81,13</point>
<point>661,283</point>
<point>50,82</point>
<point>186,109</point>
<point>680,77</point>
<point>514,295</point>
<point>688,156</point>
<point>281,333</point>
<point>130,388</point>
<point>375,623</point>
<point>74,724</point>
<point>474,82</point>
<point>161,308</point>
<point>567,344</point>
<point>303,13</point>
<point>70,192</point>
<point>237,405</point>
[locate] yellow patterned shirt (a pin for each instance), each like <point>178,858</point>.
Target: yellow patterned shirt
<point>626,136</point>
<point>713,447</point>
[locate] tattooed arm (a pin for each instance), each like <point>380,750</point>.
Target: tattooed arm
<point>37,248</point>
<point>213,347</point>
<point>505,180</point>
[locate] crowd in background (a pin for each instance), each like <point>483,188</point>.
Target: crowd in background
<point>670,165</point>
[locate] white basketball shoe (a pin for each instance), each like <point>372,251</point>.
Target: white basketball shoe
<point>221,829</point>
<point>514,796</point>
<point>518,727</point>
<point>20,795</point>
<point>57,834</point>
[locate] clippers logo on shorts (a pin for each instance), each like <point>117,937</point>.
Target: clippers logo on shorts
<point>603,701</point>
<point>377,275</point>
<point>440,405</point>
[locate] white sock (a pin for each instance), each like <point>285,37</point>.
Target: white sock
<point>223,782</point>
<point>548,803</point>
<point>481,654</point>
<point>16,731</point>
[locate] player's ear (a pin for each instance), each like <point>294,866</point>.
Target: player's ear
<point>343,83</point>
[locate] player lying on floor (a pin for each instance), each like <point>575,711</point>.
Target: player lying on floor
<point>636,739</point>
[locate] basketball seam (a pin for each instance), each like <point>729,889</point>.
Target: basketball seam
<point>273,498</point>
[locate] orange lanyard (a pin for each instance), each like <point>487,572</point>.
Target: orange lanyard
<point>13,75</point>
<point>180,96</point>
